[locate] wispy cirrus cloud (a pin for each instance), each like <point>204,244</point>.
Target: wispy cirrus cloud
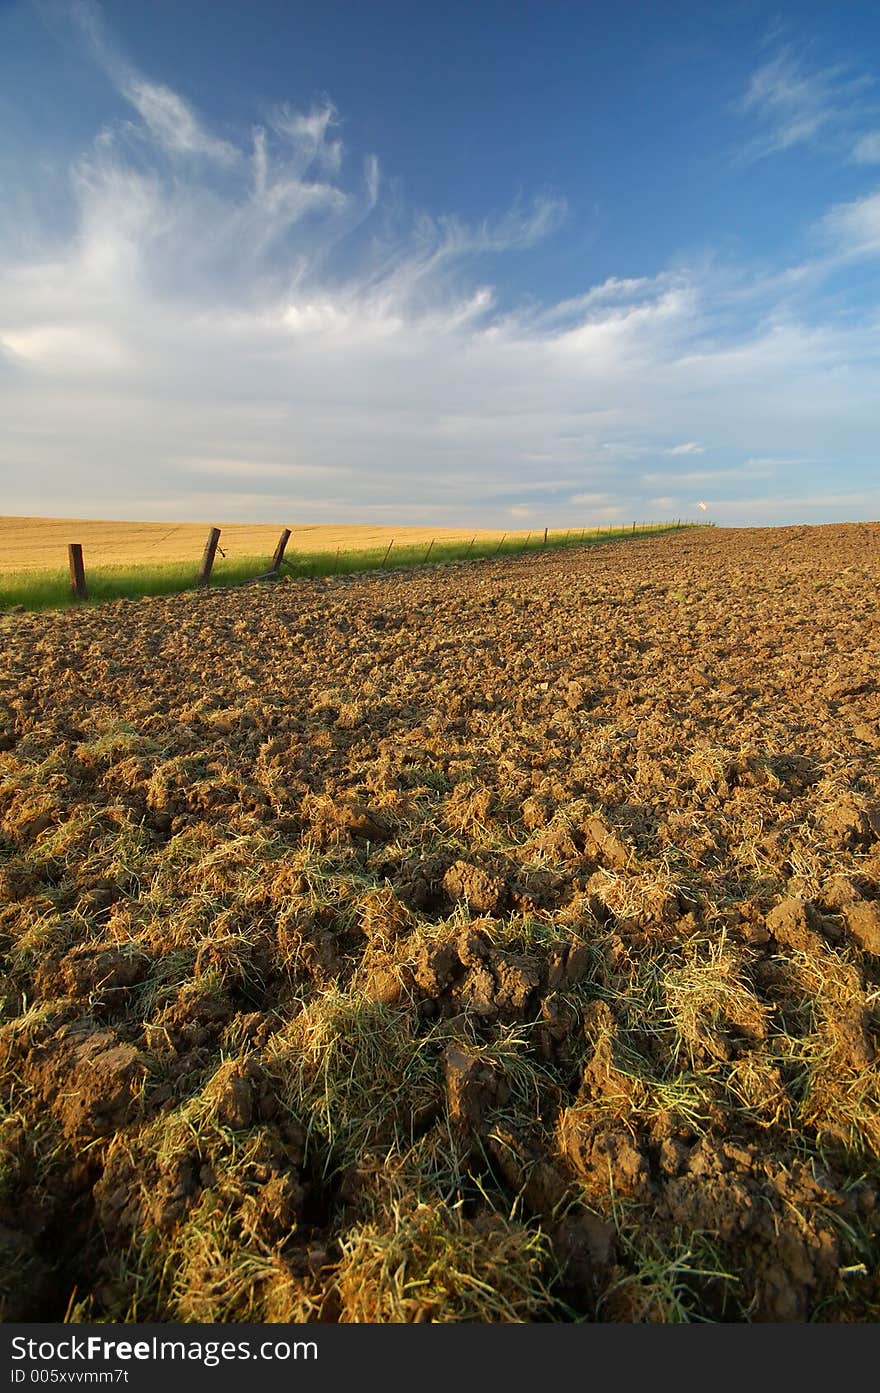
<point>248,324</point>
<point>172,122</point>
<point>793,102</point>
<point>169,120</point>
<point>867,148</point>
<point>852,229</point>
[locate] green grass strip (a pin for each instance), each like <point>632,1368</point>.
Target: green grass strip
<point>41,590</point>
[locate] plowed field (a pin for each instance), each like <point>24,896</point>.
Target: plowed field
<point>495,941</point>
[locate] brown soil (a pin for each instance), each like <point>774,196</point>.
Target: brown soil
<point>519,918</point>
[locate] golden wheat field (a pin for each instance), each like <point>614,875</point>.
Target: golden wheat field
<point>38,544</point>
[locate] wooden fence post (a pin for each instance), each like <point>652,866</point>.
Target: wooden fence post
<point>204,576</point>
<point>545,536</point>
<point>500,544</point>
<point>77,570</point>
<point>428,552</point>
<point>279,550</point>
<point>387,554</point>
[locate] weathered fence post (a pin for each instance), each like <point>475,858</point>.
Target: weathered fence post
<point>500,544</point>
<point>279,550</point>
<point>428,552</point>
<point>545,536</point>
<point>387,554</point>
<point>204,576</point>
<point>77,570</point>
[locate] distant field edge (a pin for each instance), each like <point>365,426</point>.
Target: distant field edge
<point>37,590</point>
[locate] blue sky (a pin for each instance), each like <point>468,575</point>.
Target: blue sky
<point>492,263</point>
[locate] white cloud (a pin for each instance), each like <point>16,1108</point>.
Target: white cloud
<point>308,132</point>
<point>271,335</point>
<point>688,478</point>
<point>794,104</point>
<point>173,123</point>
<point>76,348</point>
<point>765,464</point>
<point>801,506</point>
<point>168,120</point>
<point>246,469</point>
<point>853,229</point>
<point>590,500</point>
<point>867,149</point>
<point>690,447</point>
